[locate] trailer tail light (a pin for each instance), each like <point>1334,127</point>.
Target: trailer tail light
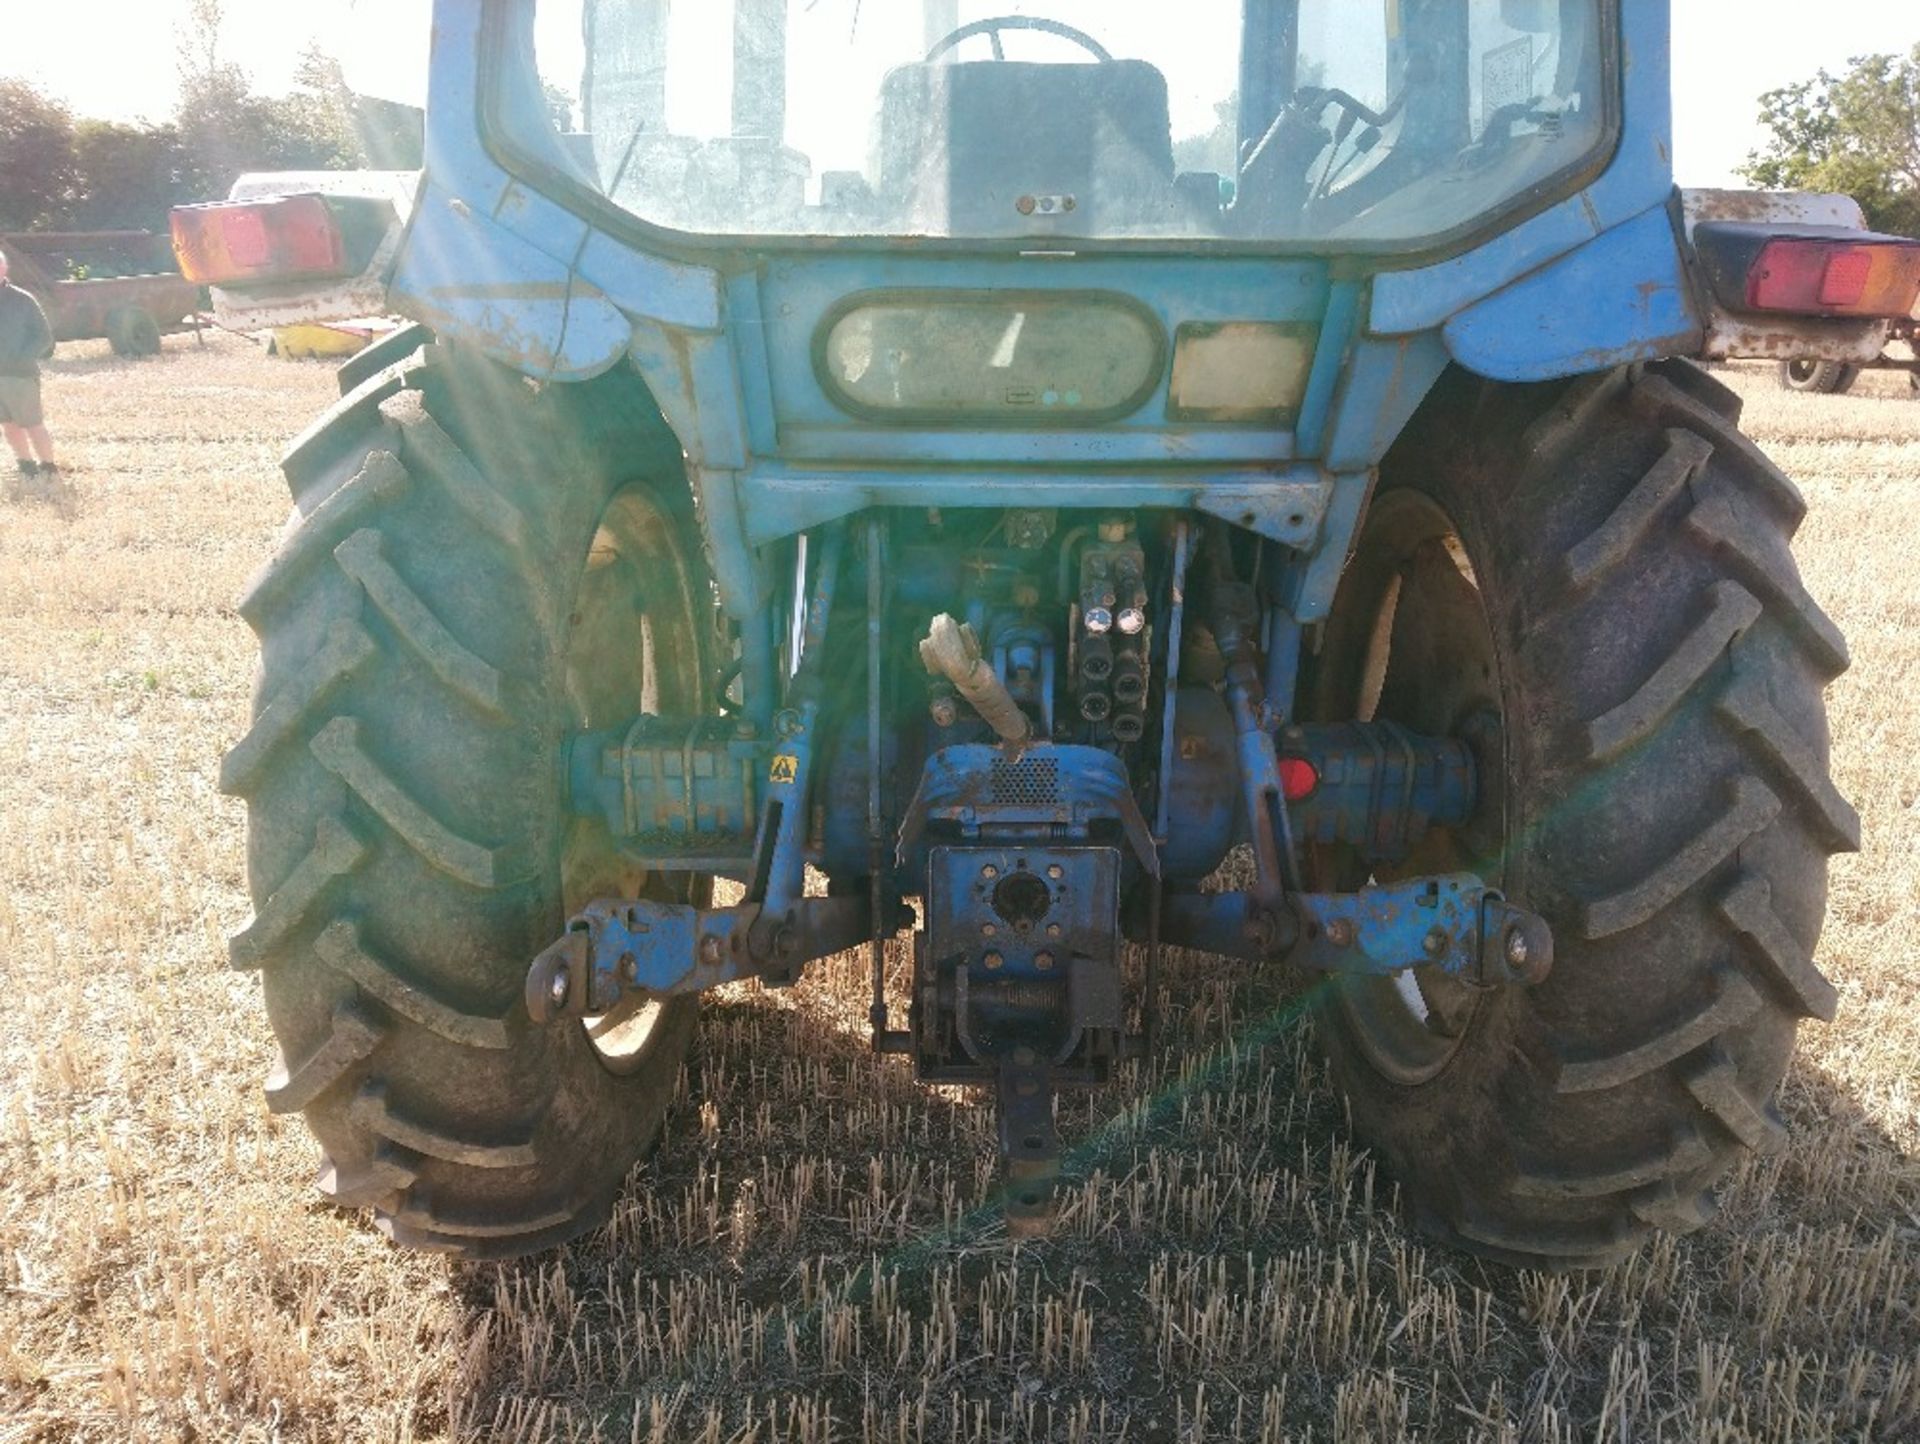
<point>288,238</point>
<point>1803,276</point>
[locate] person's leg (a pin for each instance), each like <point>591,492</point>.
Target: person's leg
<point>26,423</point>
<point>41,440</point>
<point>18,441</point>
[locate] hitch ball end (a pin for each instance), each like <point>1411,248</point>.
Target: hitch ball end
<point>1522,948</point>
<point>557,981</point>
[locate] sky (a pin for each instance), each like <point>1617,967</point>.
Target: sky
<point>119,64</point>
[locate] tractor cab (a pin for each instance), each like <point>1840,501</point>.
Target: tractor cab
<point>1248,121</point>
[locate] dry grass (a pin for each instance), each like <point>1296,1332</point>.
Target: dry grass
<point>806,1258</point>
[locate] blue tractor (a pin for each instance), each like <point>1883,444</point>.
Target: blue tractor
<point>1051,481</point>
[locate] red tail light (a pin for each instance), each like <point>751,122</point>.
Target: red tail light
<point>1298,778</point>
<point>1808,277</point>
<point>289,238</point>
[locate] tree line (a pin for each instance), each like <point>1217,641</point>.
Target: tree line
<point>63,172</point>
<point>1856,134</point>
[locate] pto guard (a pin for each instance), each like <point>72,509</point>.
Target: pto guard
<point>269,306</point>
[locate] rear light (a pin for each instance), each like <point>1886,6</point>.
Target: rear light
<point>1298,778</point>
<point>1803,276</point>
<point>289,238</point>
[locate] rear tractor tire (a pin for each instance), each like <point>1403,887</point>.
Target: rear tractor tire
<point>1593,583</point>
<point>474,569</point>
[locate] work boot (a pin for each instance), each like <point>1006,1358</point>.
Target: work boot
<point>28,469</point>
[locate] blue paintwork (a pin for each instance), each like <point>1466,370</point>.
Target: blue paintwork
<point>782,498</point>
<point>1345,302</point>
<point>466,276</point>
<point>1435,921</point>
<point>725,344</point>
<point>780,850</point>
<point>799,294</point>
<point>1083,904</point>
<point>1528,332</point>
<point>1069,788</point>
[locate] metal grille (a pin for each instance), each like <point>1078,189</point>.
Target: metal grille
<point>1030,782</point>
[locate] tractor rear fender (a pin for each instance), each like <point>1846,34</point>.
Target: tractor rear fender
<point>1623,296</point>
<point>1663,284</point>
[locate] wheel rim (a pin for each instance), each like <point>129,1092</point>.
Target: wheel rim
<point>1428,663</point>
<point>634,648</point>
<point>1802,372</point>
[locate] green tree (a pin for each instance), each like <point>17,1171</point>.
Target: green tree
<point>127,177</point>
<point>36,158</point>
<point>227,130</point>
<point>1857,133</point>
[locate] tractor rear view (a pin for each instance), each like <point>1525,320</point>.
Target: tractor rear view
<point>1008,466</point>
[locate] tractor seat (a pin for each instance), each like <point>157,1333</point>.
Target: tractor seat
<point>960,144</point>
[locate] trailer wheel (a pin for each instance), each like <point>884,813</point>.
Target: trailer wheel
<point>1593,584</point>
<point>475,569</point>
<point>133,332</point>
<point>1827,378</point>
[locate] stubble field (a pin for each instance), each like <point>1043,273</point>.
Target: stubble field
<point>806,1256</point>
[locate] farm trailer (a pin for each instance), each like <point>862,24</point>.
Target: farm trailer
<point>120,285</point>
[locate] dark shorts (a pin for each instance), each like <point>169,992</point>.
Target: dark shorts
<point>20,401</point>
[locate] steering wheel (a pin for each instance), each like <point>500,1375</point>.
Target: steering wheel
<point>1002,23</point>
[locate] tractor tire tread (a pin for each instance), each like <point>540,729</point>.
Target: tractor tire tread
<point>435,455</point>
<point>1735,532</point>
<point>405,621</point>
<point>339,946</point>
<point>374,1113</point>
<point>1745,708</point>
<point>355,1035</point>
<point>310,458</point>
<point>1656,1084</point>
<point>340,748</point>
<point>1686,456</point>
<point>388,351</point>
<point>1750,806</point>
<point>347,649</point>
<point>412,620</point>
<point>1734,610</point>
<point>1747,909</point>
<point>1715,1081</point>
<point>1732,1002</point>
<point>1657,395</point>
<point>379,479</point>
<point>337,850</point>
<point>375,1183</point>
<point>1685,1153</point>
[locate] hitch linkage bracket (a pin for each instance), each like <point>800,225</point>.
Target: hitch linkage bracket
<point>658,948</point>
<point>1455,923</point>
<point>611,949</point>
